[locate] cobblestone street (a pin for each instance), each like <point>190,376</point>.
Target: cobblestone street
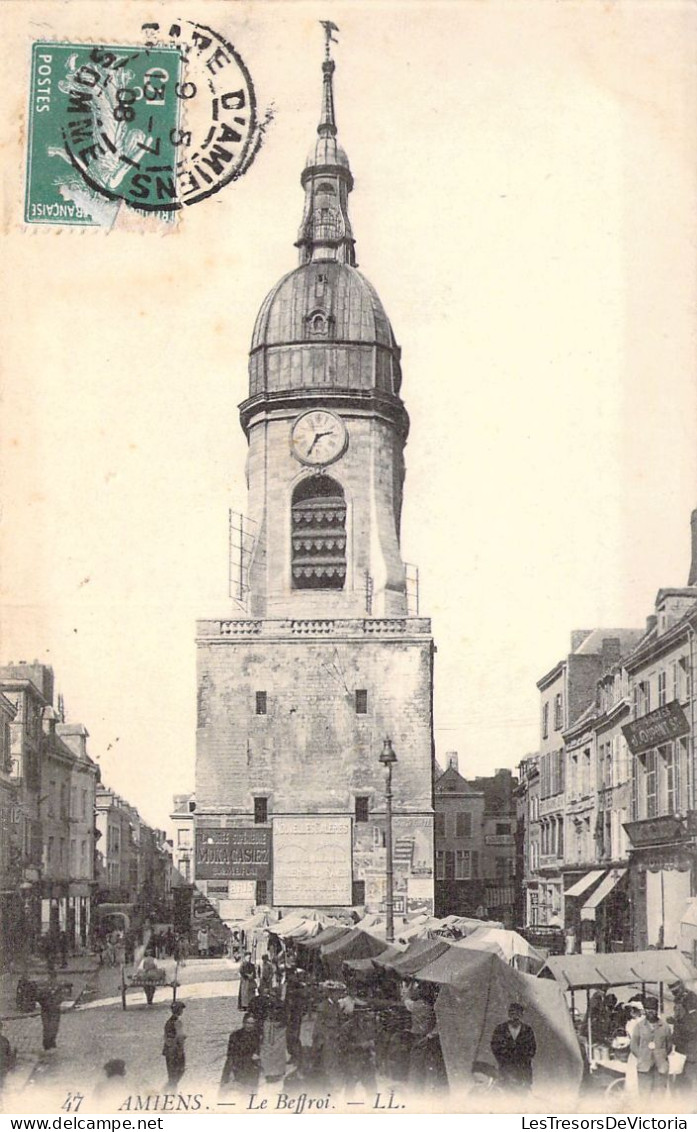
<point>100,1030</point>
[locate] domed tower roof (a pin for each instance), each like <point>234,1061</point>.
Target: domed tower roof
<point>322,329</point>
<point>295,308</point>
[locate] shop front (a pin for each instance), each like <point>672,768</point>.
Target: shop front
<point>663,876</point>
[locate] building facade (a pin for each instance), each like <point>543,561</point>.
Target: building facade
<point>475,839</point>
<point>566,826</point>
<point>624,873</point>
<point>662,829</point>
<point>85,778</point>
<point>29,689</point>
<point>323,657</point>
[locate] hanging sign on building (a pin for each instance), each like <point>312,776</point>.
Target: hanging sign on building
<point>312,861</point>
<point>659,726</point>
<point>233,854</point>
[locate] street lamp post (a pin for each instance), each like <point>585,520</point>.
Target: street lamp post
<point>388,758</point>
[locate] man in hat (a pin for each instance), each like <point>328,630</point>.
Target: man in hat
<point>651,1043</point>
<point>173,1048</point>
<point>514,1047</point>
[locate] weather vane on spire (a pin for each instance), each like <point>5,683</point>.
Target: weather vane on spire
<point>329,27</point>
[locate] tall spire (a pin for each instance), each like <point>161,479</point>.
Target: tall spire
<point>327,124</point>
<point>325,232</point>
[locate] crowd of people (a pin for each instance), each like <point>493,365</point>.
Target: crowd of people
<point>658,1049</point>
<point>308,1031</point>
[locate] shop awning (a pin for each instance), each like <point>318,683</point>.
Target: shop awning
<point>689,916</point>
<point>584,883</point>
<point>618,969</point>
<point>604,889</point>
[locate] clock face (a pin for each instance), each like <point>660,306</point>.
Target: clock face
<point>318,438</point>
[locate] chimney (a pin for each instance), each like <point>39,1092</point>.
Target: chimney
<point>451,760</point>
<point>611,651</point>
<point>692,580</point>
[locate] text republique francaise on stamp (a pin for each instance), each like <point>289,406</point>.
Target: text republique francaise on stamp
<point>155,127</point>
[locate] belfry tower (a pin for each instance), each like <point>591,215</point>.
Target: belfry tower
<point>323,658</point>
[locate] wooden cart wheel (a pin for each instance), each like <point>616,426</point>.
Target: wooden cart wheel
<point>616,1086</point>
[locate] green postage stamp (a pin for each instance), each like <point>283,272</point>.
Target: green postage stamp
<point>103,128</point>
<point>154,127</point>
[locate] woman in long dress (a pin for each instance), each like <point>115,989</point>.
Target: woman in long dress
<point>241,1067</point>
<point>248,982</point>
<point>273,1041</point>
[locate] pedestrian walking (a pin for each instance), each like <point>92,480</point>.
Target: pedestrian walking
<point>514,1047</point>
<point>651,1042</point>
<point>272,1050</point>
<point>242,1062</point>
<point>266,976</point>
<point>325,1035</point>
<point>150,972</point>
<point>203,943</point>
<point>295,1001</point>
<point>49,998</point>
<point>248,982</point>
<point>173,1048</point>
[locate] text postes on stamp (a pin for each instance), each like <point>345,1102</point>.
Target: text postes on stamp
<point>103,127</point>
<point>155,127</point>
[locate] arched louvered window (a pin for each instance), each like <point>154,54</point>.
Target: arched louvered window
<point>318,534</point>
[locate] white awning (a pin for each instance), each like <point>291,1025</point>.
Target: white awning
<point>584,883</point>
<point>689,916</point>
<point>604,889</point>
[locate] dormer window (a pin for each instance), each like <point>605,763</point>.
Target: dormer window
<point>319,324</point>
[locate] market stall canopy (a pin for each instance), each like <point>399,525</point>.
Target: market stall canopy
<point>418,955</point>
<point>354,945</point>
<point>258,920</point>
<point>617,969</point>
<point>292,922</point>
<point>392,951</point>
<point>416,926</point>
<point>326,935</point>
<point>308,929</point>
<point>477,989</point>
<point>457,926</point>
<point>508,945</point>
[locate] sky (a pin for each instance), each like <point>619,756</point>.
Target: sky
<point>524,204</point>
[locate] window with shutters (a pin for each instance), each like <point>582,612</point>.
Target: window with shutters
<point>318,518</point>
<point>260,703</point>
<point>261,811</point>
<point>651,785</point>
<point>440,864</point>
<point>361,701</point>
<point>440,824</point>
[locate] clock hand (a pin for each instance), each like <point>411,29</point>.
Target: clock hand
<point>318,436</point>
